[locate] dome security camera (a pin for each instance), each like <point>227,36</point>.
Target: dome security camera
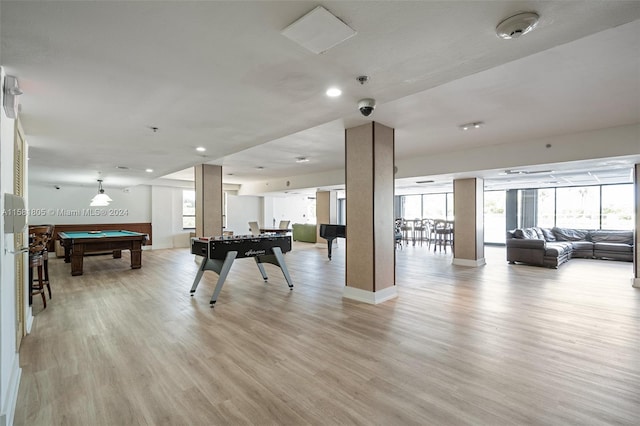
<point>366,106</point>
<point>517,25</point>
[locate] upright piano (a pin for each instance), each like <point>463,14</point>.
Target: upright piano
<point>331,232</point>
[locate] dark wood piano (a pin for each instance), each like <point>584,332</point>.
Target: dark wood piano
<point>331,232</point>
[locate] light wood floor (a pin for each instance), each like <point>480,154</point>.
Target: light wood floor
<point>495,345</point>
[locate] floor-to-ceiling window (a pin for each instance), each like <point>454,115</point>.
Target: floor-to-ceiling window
<point>546,217</point>
<point>578,207</point>
<point>342,211</point>
<point>583,207</point>
<point>617,207</point>
<point>494,217</point>
<point>188,209</point>
<point>412,206</point>
<point>434,206</point>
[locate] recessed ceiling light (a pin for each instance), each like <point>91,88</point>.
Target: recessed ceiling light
<point>334,92</point>
<point>149,170</point>
<point>201,149</point>
<point>474,125</point>
<point>302,160</point>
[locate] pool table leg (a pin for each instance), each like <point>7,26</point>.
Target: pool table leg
<point>136,255</point>
<point>117,254</point>
<point>77,257</point>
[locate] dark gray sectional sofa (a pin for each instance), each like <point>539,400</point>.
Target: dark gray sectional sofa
<point>552,247</point>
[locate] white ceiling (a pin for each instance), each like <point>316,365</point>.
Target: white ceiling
<point>98,75</point>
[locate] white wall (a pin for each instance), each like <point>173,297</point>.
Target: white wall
<point>9,360</point>
<point>70,205</point>
<point>166,218</point>
<point>240,211</point>
<point>296,208</point>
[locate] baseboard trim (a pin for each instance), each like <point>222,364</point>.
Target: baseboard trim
<point>9,404</point>
<point>635,282</point>
<point>29,323</point>
<point>469,262</point>
<point>370,297</point>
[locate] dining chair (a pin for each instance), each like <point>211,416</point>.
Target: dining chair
<point>254,228</point>
<point>284,224</point>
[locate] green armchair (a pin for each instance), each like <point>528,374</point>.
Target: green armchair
<point>304,232</point>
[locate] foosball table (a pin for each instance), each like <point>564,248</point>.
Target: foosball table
<point>219,254</point>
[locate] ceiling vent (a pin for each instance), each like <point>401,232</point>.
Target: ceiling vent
<point>525,172</point>
<point>517,25</point>
<point>318,31</point>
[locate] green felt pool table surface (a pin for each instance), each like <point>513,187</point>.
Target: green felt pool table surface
<point>99,234</point>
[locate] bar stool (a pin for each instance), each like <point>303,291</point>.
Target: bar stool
<point>418,231</point>
<point>36,261</point>
<point>444,234</point>
<point>406,228</point>
<point>39,237</point>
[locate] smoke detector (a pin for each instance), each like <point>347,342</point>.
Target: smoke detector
<point>517,25</point>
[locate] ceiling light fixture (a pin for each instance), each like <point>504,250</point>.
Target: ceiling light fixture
<point>474,125</point>
<point>302,160</point>
<point>517,25</point>
<point>149,170</point>
<point>101,199</point>
<point>333,92</point>
<point>201,149</point>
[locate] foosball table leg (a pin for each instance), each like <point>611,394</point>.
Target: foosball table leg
<point>261,268</point>
<point>224,271</point>
<point>198,276</point>
<point>283,266</point>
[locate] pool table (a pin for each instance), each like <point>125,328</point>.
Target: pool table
<point>77,243</point>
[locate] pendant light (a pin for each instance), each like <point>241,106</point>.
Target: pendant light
<point>101,199</point>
